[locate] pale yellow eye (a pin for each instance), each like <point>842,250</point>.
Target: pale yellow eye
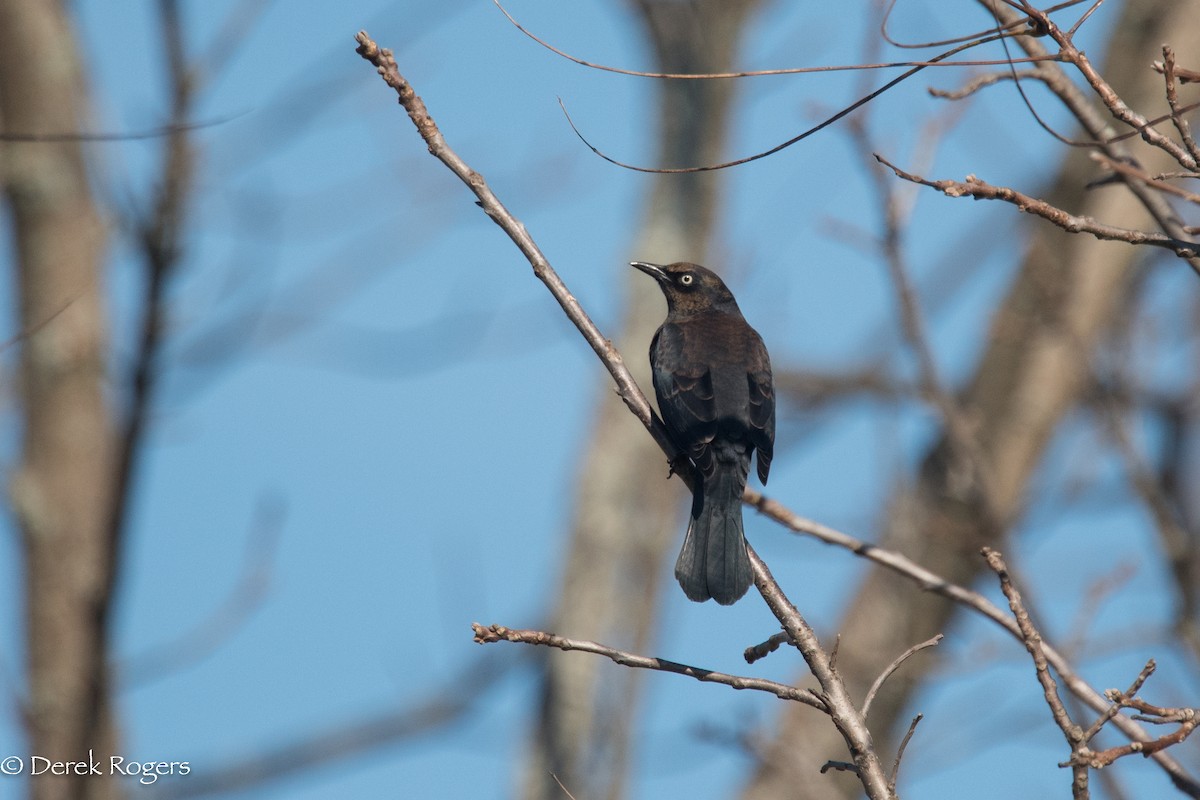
<point>686,279</point>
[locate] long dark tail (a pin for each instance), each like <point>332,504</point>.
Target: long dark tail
<point>714,562</point>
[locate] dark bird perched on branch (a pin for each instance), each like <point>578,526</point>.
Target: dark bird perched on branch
<point>712,377</point>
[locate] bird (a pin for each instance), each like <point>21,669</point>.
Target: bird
<point>712,378</point>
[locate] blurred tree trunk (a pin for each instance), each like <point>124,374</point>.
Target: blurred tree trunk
<point>628,518</point>
<point>1032,373</point>
<point>61,491</point>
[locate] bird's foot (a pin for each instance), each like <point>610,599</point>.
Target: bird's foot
<point>675,464</point>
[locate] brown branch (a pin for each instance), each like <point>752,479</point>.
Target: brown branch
<point>968,598</point>
<point>1170,74</point>
<point>912,728</point>
<point>1181,74</point>
<point>499,633</point>
<point>1104,90</point>
<point>890,668</point>
<point>1134,173</point>
<point>761,651</point>
<point>851,724</point>
<point>32,328</point>
<point>627,389</point>
<point>981,82</point>
<point>979,190</point>
<point>965,448</point>
<point>1033,643</point>
<point>1096,124</point>
<point>1187,718</point>
<point>1112,710</point>
<point>161,234</point>
<point>1105,757</point>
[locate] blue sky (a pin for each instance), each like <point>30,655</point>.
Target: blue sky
<point>368,391</point>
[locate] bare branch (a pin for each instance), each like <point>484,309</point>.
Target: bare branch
<point>1033,643</point>
<point>1170,74</point>
<point>499,633</point>
<point>979,190</point>
<point>1130,171</point>
<point>890,668</point>
<point>912,728</point>
<point>1097,125</point>
<point>385,65</point>
<point>760,651</point>
<point>1181,74</point>
<point>1112,710</point>
<point>1187,719</point>
<point>846,717</point>
<point>1104,90</point>
<point>982,82</point>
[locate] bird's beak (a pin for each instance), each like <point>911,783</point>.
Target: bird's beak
<point>653,270</point>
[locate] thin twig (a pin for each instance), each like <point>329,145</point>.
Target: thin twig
<point>845,715</point>
<point>862,101</point>
<point>499,633</point>
<point>560,785</point>
<point>758,73</point>
<point>1130,171</point>
<point>912,728</point>
<point>764,649</point>
<point>883,676</point>
<point>1033,643</point>
<point>981,82</point>
<point>1112,710</point>
<point>1104,91</point>
<point>1170,74</point>
<point>1186,718</point>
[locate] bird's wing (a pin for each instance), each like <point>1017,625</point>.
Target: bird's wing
<point>685,393</point>
<point>762,418</point>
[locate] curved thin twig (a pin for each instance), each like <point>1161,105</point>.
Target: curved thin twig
<point>862,101</point>
<point>758,73</point>
<point>892,667</point>
<point>883,33</point>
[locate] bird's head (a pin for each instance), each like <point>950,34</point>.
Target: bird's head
<point>688,287</point>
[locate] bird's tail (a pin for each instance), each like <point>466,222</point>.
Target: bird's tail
<point>714,562</point>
